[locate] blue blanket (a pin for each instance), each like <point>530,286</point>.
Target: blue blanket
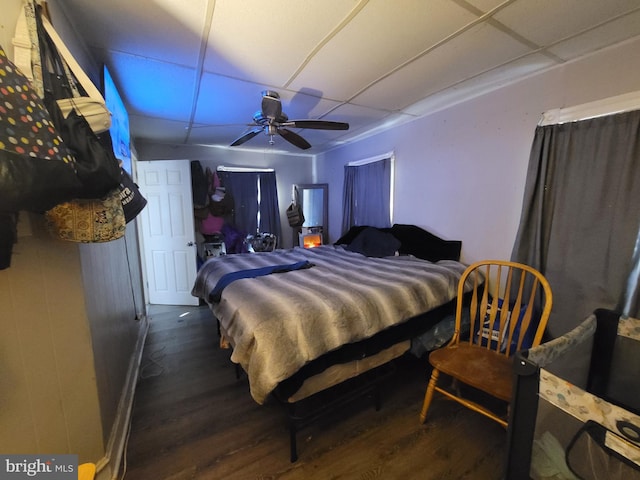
<point>226,279</point>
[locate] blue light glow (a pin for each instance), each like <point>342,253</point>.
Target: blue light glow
<point>120,135</point>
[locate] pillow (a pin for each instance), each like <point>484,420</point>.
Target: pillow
<point>422,244</point>
<point>373,242</point>
<point>351,234</point>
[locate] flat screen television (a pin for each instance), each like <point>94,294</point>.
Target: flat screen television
<point>119,131</point>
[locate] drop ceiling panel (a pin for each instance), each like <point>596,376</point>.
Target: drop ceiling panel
<point>481,84</point>
<point>608,34</point>
<point>361,119</point>
<point>226,100</point>
<point>532,18</point>
<point>300,105</point>
<point>229,101</point>
<point>383,36</point>
<point>168,30</point>
<point>214,134</point>
<point>357,115</point>
<point>477,50</point>
<point>484,5</point>
<point>158,129</point>
<point>154,89</point>
<point>267,42</point>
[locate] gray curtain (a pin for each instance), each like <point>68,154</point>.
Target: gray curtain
<point>580,218</point>
<point>366,195</point>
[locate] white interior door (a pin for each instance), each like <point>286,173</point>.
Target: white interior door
<point>168,235</point>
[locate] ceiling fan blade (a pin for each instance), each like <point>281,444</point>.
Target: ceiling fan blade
<point>294,138</point>
<point>318,124</point>
<point>247,136</point>
<point>271,105</point>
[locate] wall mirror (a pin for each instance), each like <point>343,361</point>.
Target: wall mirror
<point>314,198</point>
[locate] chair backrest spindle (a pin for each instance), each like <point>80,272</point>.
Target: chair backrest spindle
<point>503,306</point>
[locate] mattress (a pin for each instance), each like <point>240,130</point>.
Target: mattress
<point>316,302</point>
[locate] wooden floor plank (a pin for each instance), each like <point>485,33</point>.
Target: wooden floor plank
<point>193,419</point>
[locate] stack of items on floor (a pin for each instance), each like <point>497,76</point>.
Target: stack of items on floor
<point>213,211</point>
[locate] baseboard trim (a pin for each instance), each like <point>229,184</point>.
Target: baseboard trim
<point>108,468</point>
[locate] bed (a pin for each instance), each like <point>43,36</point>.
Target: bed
<point>300,321</point>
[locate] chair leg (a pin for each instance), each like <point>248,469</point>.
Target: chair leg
<point>455,386</point>
<point>428,396</point>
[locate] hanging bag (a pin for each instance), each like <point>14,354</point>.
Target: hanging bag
<point>89,104</point>
<point>88,220</point>
<point>37,170</point>
<point>87,101</point>
<point>295,217</point>
<point>97,167</point>
<point>86,98</point>
<point>96,214</point>
<point>132,200</point>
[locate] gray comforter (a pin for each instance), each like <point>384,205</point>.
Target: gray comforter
<point>278,322</point>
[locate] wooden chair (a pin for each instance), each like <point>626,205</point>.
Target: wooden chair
<point>483,360</point>
<point>86,471</point>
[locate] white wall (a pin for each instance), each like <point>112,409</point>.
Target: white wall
<point>460,172</point>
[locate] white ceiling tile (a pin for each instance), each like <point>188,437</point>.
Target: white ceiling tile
<point>252,40</point>
<point>532,18</point>
<point>481,84</point>
<point>168,30</point>
<point>306,103</point>
<point>357,115</point>
<point>226,100</point>
<point>229,101</point>
<point>613,32</point>
<point>381,37</point>
<point>214,134</point>
<point>158,129</point>
<point>480,49</point>
<point>485,5</point>
<point>153,89</point>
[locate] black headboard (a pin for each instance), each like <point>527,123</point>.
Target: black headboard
<point>413,241</point>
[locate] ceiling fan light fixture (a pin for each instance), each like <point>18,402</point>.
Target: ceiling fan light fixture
<point>273,121</point>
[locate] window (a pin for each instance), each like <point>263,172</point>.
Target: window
<point>367,196</point>
<point>255,196</point>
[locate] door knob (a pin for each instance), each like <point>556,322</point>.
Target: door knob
<point>190,244</point>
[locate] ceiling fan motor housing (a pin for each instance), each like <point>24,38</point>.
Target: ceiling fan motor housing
<point>272,120</point>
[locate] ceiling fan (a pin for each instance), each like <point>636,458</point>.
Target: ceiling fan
<point>273,121</point>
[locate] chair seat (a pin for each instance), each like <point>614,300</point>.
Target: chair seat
<point>483,369</point>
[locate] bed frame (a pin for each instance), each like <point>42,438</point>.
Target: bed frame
<point>333,381</point>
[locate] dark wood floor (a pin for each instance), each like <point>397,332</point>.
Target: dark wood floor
<point>193,419</point>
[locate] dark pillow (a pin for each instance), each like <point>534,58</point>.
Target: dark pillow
<point>422,244</point>
<point>373,242</point>
<point>351,234</point>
